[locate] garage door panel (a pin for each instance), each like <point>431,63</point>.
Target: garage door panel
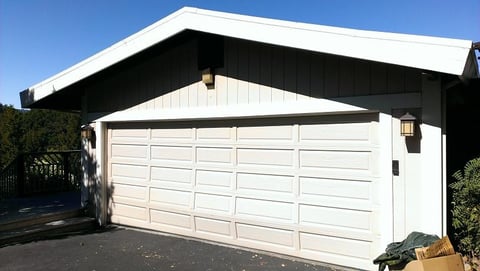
<point>217,134</point>
<point>265,210</point>
<point>123,171</point>
<point>213,226</point>
<point>349,189</point>
<point>171,177</point>
<point>344,232</point>
<point>335,202</point>
<point>335,159</point>
<point>335,245</point>
<point>336,217</point>
<point>262,133</point>
<point>215,155</point>
<point>268,235</point>
<point>165,134</point>
<point>129,135</point>
<point>128,191</point>
<point>354,132</point>
<point>129,151</point>
<point>171,153</point>
<point>129,211</point>
<point>354,256</point>
<point>170,197</point>
<point>170,219</point>
<point>261,183</point>
<point>214,179</point>
<point>213,203</point>
<point>265,157</point>
<point>338,173</point>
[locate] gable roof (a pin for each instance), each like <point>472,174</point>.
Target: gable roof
<point>444,55</point>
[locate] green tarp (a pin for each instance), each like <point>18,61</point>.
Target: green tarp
<point>398,254</point>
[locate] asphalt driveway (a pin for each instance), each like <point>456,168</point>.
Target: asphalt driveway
<point>127,249</point>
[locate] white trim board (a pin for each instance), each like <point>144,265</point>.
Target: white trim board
<point>234,111</point>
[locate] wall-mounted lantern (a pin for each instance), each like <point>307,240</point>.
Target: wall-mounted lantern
<point>86,131</point>
<point>208,78</point>
<point>407,125</point>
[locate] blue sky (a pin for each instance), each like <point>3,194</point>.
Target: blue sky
<point>39,38</point>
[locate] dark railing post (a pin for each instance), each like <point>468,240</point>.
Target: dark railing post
<point>20,175</point>
<point>66,170</point>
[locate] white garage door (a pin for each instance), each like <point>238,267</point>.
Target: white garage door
<point>304,187</point>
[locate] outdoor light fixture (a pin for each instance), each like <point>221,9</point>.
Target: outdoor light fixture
<point>208,78</point>
<point>86,131</point>
<point>407,125</point>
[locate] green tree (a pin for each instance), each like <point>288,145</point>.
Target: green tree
<point>9,133</point>
<point>36,130</point>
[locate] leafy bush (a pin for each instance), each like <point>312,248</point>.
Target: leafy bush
<point>466,209</point>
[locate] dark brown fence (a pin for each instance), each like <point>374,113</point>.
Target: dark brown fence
<point>37,173</point>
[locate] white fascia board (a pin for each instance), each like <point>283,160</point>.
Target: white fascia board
<point>429,53</point>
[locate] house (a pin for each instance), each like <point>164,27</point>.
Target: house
<point>268,134</point>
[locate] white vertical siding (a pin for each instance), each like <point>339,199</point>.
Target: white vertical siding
<point>431,158</point>
<point>253,73</point>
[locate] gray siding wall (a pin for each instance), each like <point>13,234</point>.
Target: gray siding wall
<point>253,73</point>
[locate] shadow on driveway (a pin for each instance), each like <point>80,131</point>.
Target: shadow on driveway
<point>30,207</point>
<point>116,248</point>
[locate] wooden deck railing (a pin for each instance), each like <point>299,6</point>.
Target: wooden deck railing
<point>44,172</point>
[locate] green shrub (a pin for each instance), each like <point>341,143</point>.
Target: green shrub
<point>466,208</point>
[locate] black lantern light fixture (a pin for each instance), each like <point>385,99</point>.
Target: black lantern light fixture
<point>86,131</point>
<point>208,78</point>
<point>407,125</point>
